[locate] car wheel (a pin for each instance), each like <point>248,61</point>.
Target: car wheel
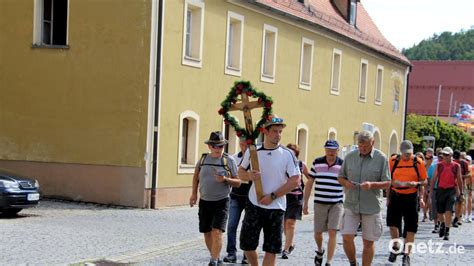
<point>10,212</point>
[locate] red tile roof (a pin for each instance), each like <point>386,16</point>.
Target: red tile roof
<point>324,14</point>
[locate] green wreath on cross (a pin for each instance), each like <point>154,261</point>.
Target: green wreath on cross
<point>234,96</point>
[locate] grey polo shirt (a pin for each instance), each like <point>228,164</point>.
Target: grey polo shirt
<point>358,169</point>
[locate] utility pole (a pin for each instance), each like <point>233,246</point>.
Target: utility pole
<point>437,109</point>
<point>450,103</point>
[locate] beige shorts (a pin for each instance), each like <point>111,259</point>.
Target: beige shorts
<point>327,216</point>
<point>372,227</point>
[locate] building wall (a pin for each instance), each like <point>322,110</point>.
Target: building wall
<point>84,105</point>
<point>202,89</point>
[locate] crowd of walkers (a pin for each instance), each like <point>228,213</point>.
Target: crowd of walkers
<point>347,197</point>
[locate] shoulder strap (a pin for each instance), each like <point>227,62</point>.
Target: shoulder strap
<point>395,164</point>
<point>225,163</point>
<point>415,165</point>
<point>201,161</point>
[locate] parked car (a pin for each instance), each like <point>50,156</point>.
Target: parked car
<point>17,192</point>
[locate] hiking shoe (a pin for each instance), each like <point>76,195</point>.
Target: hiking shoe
<point>284,255</point>
<point>406,260</point>
<point>469,219</point>
<point>455,222</point>
<point>244,260</point>
<point>214,263</point>
<point>354,263</point>
<point>230,259</point>
<point>424,219</point>
<point>292,247</point>
<point>442,229</point>
<point>446,235</point>
<point>318,259</point>
<point>393,255</point>
<point>435,230</point>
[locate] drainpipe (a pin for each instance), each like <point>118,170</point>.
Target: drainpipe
<point>407,81</point>
<point>157,106</point>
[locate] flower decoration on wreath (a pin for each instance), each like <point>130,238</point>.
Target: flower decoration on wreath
<point>234,95</point>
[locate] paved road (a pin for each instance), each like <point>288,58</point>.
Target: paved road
<point>63,233</point>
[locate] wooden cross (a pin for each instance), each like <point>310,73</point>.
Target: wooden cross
<point>246,106</point>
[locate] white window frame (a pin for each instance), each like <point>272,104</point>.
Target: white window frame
<point>263,76</point>
<point>302,84</point>
<point>379,101</point>
<point>188,168</point>
<point>303,150</point>
<point>232,70</point>
<point>188,60</point>
<point>233,141</point>
<point>38,25</point>
<point>363,98</point>
<point>333,90</point>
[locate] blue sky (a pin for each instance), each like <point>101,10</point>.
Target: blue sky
<point>407,22</point>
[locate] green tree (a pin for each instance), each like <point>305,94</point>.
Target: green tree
<point>445,46</point>
<point>445,134</point>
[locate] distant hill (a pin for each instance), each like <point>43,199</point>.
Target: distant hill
<point>446,46</point>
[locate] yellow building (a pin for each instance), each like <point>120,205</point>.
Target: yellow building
<point>111,103</point>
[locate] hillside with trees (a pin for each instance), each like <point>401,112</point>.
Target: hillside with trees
<point>445,46</point>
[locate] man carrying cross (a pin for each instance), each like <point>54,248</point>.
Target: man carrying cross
<point>279,174</point>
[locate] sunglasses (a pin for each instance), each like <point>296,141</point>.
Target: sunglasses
<point>217,147</point>
<point>277,120</point>
<point>427,157</point>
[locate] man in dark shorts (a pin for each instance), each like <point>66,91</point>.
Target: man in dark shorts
<point>279,174</point>
<point>215,174</point>
<point>447,176</point>
<point>408,173</point>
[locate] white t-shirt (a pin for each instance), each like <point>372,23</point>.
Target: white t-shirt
<point>276,166</point>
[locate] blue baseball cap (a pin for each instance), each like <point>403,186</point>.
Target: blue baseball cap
<point>331,144</point>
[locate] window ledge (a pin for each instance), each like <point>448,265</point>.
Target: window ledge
<point>378,103</point>
<point>305,86</point>
<point>186,169</point>
<point>362,100</point>
<point>191,61</point>
<point>47,46</point>
<point>233,71</point>
<point>267,78</point>
<point>334,92</point>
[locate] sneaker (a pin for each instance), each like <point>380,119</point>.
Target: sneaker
<point>318,259</point>
<point>469,220</point>
<point>393,256</point>
<point>424,219</point>
<point>435,230</point>
<point>354,263</point>
<point>406,260</point>
<point>230,259</point>
<point>442,229</point>
<point>244,260</point>
<point>292,247</point>
<point>284,255</point>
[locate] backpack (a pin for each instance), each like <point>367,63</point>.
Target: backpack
<point>224,162</point>
<point>415,162</point>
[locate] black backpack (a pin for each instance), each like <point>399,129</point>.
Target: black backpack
<point>395,164</point>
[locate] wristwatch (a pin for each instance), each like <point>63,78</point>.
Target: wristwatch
<point>273,196</point>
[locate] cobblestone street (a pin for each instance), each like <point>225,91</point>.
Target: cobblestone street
<point>66,233</point>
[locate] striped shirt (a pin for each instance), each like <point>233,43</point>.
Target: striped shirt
<point>327,189</point>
